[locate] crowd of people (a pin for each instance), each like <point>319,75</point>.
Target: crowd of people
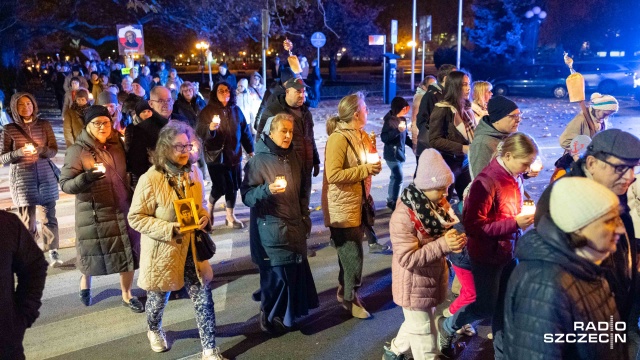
<point>136,154</point>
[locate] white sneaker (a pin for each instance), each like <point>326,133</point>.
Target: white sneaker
<point>157,340</point>
<point>54,259</point>
<point>212,354</point>
<point>467,330</point>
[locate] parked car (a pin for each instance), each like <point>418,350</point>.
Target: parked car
<point>543,79</point>
<point>605,77</point>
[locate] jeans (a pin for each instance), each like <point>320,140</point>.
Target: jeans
<point>395,182</point>
<point>348,242</point>
<point>46,214</point>
<point>202,303</point>
<point>418,333</point>
<point>489,302</point>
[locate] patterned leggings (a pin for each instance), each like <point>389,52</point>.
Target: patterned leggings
<point>202,303</point>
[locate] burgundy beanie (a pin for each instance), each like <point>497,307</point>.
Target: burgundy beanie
<point>432,171</point>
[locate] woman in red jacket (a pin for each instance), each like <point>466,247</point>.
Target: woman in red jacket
<point>493,219</point>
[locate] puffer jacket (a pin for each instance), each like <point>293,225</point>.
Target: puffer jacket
<point>418,267</point>
<point>303,142</point>
<point>163,254</point>
<point>73,123</point>
<point>232,133</point>
<point>341,188</point>
<point>485,142</point>
<point>282,219</point>
<point>104,241</point>
<point>31,178</point>
<point>548,292</point>
<point>394,140</point>
<point>495,198</point>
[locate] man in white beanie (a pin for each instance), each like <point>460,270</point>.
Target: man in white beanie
<point>559,279</point>
<point>611,160</point>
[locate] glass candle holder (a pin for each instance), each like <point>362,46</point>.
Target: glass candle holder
<point>99,167</point>
<point>216,119</point>
<point>29,147</point>
<point>537,165</point>
<point>373,158</point>
<point>281,181</point>
<point>528,208</point>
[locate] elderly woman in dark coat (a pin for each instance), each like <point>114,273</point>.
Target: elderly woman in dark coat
<point>222,141</point>
<point>105,242</point>
<point>33,183</point>
<point>274,189</point>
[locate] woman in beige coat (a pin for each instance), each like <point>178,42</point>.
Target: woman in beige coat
<point>347,173</point>
<point>167,260</point>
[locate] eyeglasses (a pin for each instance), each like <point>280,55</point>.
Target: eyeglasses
<point>181,148</point>
<point>224,91</point>
<point>100,125</point>
<point>164,102</point>
<point>516,117</point>
<point>622,169</point>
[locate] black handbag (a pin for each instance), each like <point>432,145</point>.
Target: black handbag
<point>368,211</point>
<point>214,156</point>
<point>205,247</point>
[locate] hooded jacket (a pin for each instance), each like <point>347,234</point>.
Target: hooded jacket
<point>394,140</point>
<point>232,133</point>
<point>485,142</point>
<point>621,265</point>
<point>104,241</point>
<point>303,142</point>
<point>494,200</point>
<point>282,219</point>
<point>32,181</point>
<point>548,292</point>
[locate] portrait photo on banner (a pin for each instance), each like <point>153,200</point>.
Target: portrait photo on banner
<point>187,214</point>
<point>130,39</point>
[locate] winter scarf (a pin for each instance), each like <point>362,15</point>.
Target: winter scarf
<point>428,218</point>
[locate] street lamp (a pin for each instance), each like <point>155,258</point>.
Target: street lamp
<point>202,46</point>
<point>532,28</point>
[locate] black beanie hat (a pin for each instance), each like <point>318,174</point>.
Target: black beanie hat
<point>499,107</point>
<point>94,111</point>
<point>141,106</point>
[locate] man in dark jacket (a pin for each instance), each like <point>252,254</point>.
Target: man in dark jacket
<point>434,94</point>
<point>559,281</point>
<point>274,189</point>
<point>270,96</point>
<point>21,259</point>
<point>224,75</point>
<point>144,136</point>
<point>610,160</point>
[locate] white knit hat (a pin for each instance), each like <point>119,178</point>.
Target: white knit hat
<point>576,202</point>
<point>433,172</point>
<point>604,102</point>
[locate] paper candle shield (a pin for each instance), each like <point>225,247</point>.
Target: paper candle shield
<point>575,86</point>
<point>294,64</point>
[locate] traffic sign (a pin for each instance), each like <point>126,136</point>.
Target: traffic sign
<point>376,39</point>
<point>394,31</point>
<point>318,39</point>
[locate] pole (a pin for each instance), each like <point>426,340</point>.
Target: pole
<point>413,48</point>
<point>459,34</point>
<point>318,57</point>
<point>264,67</point>
<point>210,76</point>
<point>202,66</point>
<point>384,67</point>
<point>424,50</point>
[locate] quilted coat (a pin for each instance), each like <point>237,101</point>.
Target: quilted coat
<point>341,188</point>
<point>31,178</point>
<point>549,290</point>
<point>72,124</point>
<point>495,198</point>
<point>419,272</point>
<point>104,241</point>
<point>162,253</point>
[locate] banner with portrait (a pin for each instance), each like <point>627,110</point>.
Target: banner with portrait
<point>130,39</point>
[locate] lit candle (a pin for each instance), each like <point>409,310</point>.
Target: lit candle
<point>172,86</point>
<point>528,208</point>
<point>537,165</point>
<point>90,97</point>
<point>402,126</point>
<point>29,147</point>
<point>99,167</point>
<point>281,181</point>
<point>216,119</point>
<point>373,158</point>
